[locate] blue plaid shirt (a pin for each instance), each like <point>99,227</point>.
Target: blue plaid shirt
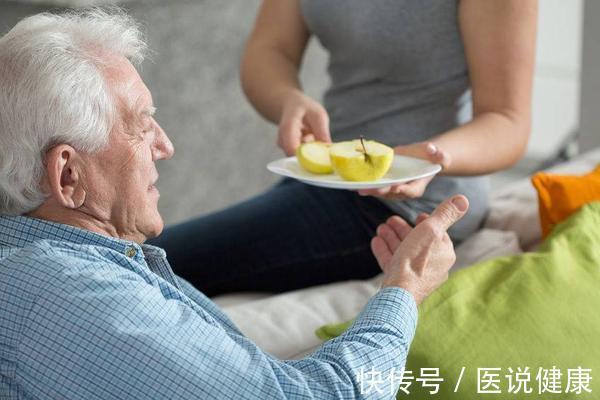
<point>86,316</point>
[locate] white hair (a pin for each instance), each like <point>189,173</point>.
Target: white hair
<point>53,91</point>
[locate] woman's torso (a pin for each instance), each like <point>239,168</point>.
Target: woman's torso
<point>398,75</point>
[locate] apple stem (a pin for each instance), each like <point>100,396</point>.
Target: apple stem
<point>367,157</point>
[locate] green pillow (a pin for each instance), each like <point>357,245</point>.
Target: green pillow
<point>535,310</point>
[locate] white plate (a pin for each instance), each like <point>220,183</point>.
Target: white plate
<point>403,169</point>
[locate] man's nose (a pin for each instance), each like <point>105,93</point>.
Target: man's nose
<point>163,148</point>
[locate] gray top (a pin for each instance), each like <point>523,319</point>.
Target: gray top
<point>398,75</point>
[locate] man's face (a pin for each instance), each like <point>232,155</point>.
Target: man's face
<point>121,178</point>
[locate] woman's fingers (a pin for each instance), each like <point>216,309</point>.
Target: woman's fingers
<point>308,137</point>
<point>290,134</point>
<point>375,192</point>
<point>425,150</point>
<point>437,155</point>
<point>302,117</point>
<point>411,190</point>
<point>318,124</point>
<point>416,188</point>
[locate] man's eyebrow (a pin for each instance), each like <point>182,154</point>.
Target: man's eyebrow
<point>149,111</point>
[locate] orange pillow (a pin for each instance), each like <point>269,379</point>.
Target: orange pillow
<point>561,195</point>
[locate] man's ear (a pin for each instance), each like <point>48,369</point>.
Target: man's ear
<point>64,168</point>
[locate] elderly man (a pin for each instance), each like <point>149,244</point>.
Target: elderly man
<point>90,312</point>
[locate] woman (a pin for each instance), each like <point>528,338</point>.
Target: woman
<point>449,81</point>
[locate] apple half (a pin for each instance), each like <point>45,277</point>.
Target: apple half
<point>314,157</point>
<point>361,160</point>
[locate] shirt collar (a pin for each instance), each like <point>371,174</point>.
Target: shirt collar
<point>18,231</point>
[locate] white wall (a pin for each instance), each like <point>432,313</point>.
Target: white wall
<point>557,75</point>
<point>72,3</point>
<point>590,79</point>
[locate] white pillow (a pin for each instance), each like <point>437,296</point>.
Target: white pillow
<point>515,208</point>
<point>486,244</point>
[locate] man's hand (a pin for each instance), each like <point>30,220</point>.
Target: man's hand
<point>418,259</point>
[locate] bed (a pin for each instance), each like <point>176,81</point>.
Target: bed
<point>284,325</point>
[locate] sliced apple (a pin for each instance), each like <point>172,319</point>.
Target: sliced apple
<point>361,160</point>
<point>314,157</point>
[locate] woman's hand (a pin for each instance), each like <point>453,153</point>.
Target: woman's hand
<point>302,119</point>
<point>413,189</point>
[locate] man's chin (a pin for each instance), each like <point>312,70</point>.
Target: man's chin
<point>155,228</point>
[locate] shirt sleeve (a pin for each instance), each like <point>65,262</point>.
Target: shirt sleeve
<point>208,305</point>
<point>106,337</point>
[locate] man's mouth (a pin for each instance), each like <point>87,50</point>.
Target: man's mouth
<point>152,186</point>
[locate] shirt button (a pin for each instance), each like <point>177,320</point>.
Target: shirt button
<point>130,252</point>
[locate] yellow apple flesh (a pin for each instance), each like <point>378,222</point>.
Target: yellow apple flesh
<point>350,162</point>
<point>314,157</point>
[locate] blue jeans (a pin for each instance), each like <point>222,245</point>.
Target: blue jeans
<point>292,236</point>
